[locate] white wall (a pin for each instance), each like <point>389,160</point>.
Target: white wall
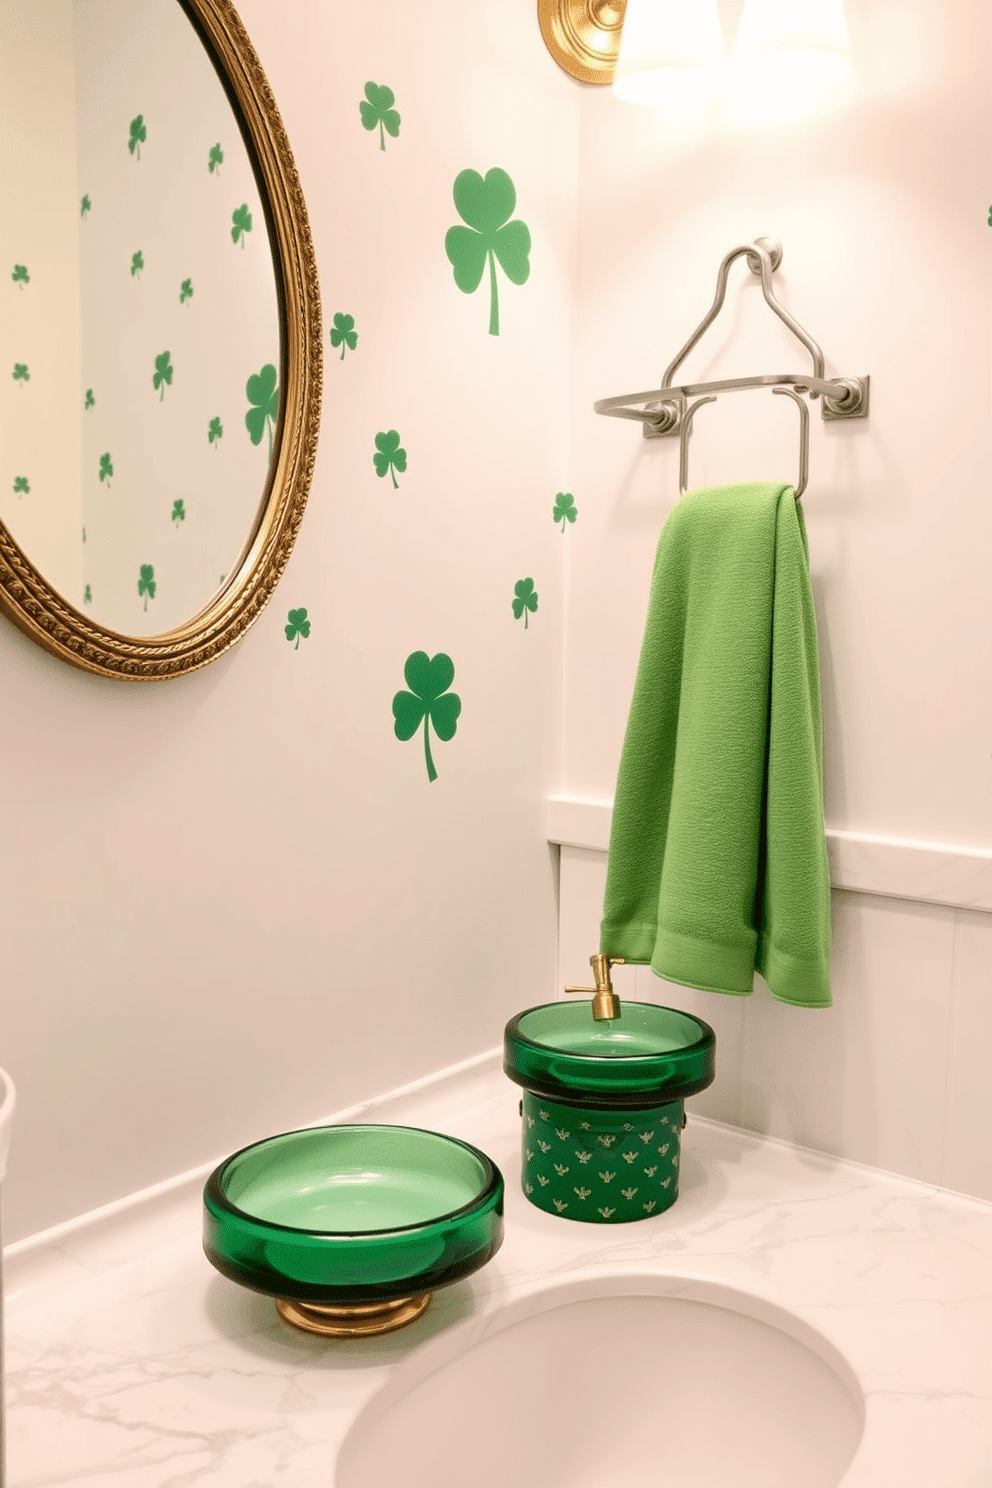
<point>233,903</point>
<point>882,209</point>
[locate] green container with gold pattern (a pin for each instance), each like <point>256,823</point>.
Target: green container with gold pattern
<point>603,1105</point>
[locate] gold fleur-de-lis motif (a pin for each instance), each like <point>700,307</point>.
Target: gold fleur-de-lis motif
<point>628,1126</point>
<point>560,1169</point>
<point>606,1212</point>
<point>675,1161</point>
<point>583,1126</point>
<point>628,1193</point>
<point>583,1193</point>
<point>646,1136</point>
<point>544,1146</point>
<point>666,1181</point>
<point>528,1188</point>
<point>529,1120</point>
<point>561,1205</point>
<point>649,1206</point>
<point>663,1150</point>
<point>544,1115</point>
<point>628,1157</point>
<point>529,1153</point>
<point>542,1180</point>
<point>583,1156</point>
<point>562,1134</point>
<point>607,1177</point>
<point>606,1141</point>
<point>650,1172</point>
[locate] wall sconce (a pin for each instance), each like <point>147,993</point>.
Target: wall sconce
<point>583,36</point>
<point>670,52</point>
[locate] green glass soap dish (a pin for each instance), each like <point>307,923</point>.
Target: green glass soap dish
<point>351,1228</point>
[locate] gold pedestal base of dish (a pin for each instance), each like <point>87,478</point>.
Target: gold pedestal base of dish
<point>357,1321</point>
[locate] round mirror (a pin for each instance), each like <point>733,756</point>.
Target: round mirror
<point>159,337</point>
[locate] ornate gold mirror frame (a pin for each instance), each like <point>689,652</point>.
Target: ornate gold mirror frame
<point>29,600</point>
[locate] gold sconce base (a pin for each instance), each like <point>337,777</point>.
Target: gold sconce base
<point>358,1321</point>
<point>583,36</point>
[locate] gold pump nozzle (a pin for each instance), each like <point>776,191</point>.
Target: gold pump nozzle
<point>605,1002</point>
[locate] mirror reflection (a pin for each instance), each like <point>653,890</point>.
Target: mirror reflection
<point>139,334</point>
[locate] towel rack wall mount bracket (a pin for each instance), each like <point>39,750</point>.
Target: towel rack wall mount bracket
<point>665,412</point>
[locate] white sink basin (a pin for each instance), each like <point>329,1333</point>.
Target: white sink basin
<point>624,1382</point>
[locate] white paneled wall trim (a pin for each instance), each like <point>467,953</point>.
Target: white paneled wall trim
<point>932,872</point>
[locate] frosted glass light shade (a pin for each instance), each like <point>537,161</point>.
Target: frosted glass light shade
<point>671,52</point>
<point>793,44</point>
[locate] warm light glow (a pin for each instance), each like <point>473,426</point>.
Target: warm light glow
<point>671,53</point>
<point>789,55</point>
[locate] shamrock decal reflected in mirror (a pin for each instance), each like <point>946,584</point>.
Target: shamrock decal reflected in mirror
<point>377,108</point>
<point>263,395</point>
<point>137,135</point>
<point>162,374</point>
<point>106,471</point>
<point>240,223</point>
<point>215,159</point>
<point>20,275</point>
<point>146,582</point>
<point>486,204</point>
<point>215,432</point>
<point>428,702</point>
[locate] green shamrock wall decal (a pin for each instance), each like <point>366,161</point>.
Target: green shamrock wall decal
<point>240,223</point>
<point>263,395</point>
<point>137,264</point>
<point>185,291</point>
<point>89,400</point>
<point>146,583</point>
<point>215,432</point>
<point>428,702</point>
<point>22,486</point>
<point>486,204</point>
<point>215,159</point>
<point>162,374</point>
<point>565,509</point>
<point>377,108</point>
<point>106,471</point>
<point>388,455</point>
<point>20,372</point>
<point>526,599</point>
<point>178,510</point>
<point>84,205</point>
<point>137,134</point>
<point>20,275</point>
<point>343,333</point>
<point>298,626</point>
<point>87,595</point>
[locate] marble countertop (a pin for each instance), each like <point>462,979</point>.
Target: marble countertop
<point>131,1362</point>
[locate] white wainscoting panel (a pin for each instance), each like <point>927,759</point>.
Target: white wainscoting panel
<point>935,872</point>
<point>896,1073</point>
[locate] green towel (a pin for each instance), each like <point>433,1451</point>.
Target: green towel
<point>718,863</point>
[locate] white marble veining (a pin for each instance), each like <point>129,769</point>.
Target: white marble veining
<point>131,1362</point>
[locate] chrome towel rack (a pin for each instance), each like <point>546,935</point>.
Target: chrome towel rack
<point>666,412</point>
